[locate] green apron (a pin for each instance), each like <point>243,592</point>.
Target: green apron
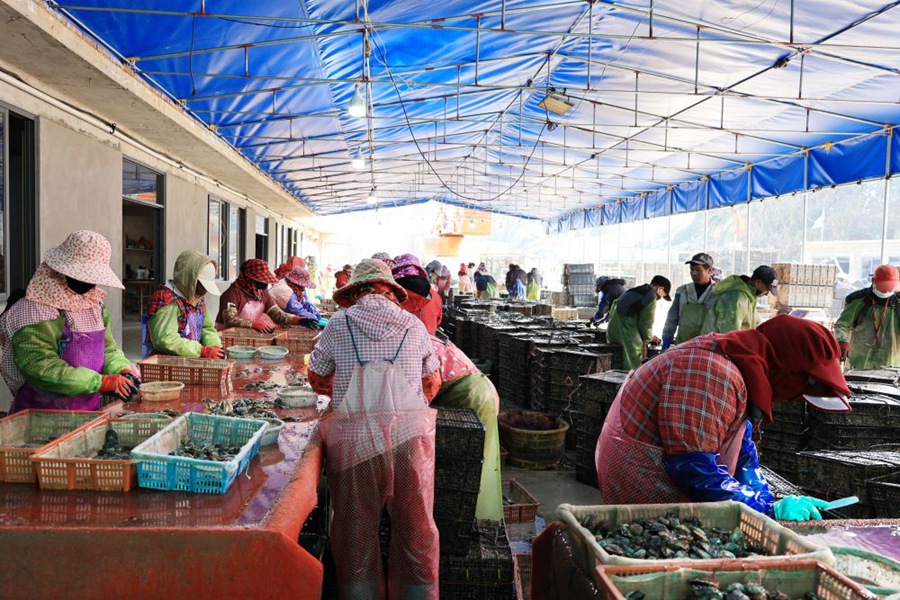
<point>857,325</point>
<point>691,321</point>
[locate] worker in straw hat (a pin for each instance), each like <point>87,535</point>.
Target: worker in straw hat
<point>177,320</point>
<point>58,348</point>
<point>377,363</point>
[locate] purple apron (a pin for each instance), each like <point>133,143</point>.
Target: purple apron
<point>193,328</point>
<point>79,349</point>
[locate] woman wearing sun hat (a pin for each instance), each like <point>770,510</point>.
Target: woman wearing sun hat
<point>247,302</point>
<point>58,348</point>
<point>377,363</point>
<point>290,293</point>
<point>177,320</point>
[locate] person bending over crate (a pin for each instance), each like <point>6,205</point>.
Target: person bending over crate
<point>680,428</point>
<point>58,348</point>
<point>177,320</point>
<point>290,293</point>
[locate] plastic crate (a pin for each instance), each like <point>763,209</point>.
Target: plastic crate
<point>298,341</point>
<point>793,577</point>
<point>884,493</point>
<point>459,434</point>
<point>485,572</point>
<point>29,431</point>
<point>522,569</point>
<point>244,336</point>
<point>66,464</point>
<point>189,371</point>
<point>759,529</point>
<point>455,535</point>
<point>523,507</point>
<point>158,470</point>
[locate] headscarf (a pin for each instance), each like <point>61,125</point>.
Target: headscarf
<point>187,267</point>
<point>462,269</point>
<point>246,285</point>
<point>482,268</point>
<point>777,358</point>
<point>384,257</point>
<point>377,287</point>
<point>292,263</point>
<point>49,288</point>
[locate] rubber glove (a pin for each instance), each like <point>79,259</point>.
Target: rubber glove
<point>262,327</point>
<point>132,376</point>
<point>323,322</point>
<point>212,352</point>
<point>747,470</point>
<point>667,342</point>
<point>309,323</point>
<point>798,508</point>
<point>845,350</point>
<point>118,385</point>
<point>589,324</point>
<point>654,341</point>
<point>699,477</point>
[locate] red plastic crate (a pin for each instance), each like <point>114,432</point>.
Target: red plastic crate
<point>298,341</point>
<point>189,371</point>
<point>244,336</point>
<point>524,507</point>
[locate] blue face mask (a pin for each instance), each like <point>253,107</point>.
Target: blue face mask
<point>882,295</point>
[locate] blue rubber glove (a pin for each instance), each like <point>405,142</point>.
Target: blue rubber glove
<point>748,472</point>
<point>798,508</point>
<point>323,321</point>
<point>699,477</point>
<point>667,342</point>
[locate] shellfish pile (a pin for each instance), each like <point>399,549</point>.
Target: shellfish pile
<point>111,449</point>
<point>247,408</point>
<point>215,452</point>
<point>669,537</point>
<point>704,588</point>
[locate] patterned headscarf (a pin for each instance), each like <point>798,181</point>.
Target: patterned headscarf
<point>294,263</point>
<point>384,257</point>
<point>482,268</point>
<point>49,288</point>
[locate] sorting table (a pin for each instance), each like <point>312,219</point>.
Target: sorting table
<point>154,544</point>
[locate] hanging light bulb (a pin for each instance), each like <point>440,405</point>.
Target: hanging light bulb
<point>359,161</point>
<point>372,198</point>
<point>357,106</point>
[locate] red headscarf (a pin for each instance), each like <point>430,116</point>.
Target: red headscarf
<point>294,262</point>
<point>777,358</point>
<point>462,269</point>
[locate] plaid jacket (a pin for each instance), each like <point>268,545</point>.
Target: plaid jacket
<point>691,398</point>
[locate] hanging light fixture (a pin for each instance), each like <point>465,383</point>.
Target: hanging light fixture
<point>359,161</point>
<point>357,107</point>
<point>372,198</point>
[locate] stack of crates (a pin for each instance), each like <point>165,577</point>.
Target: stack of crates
<point>459,452</point>
<point>566,368</point>
<point>834,474</point>
<point>485,572</point>
<point>592,401</point>
<point>579,282</point>
<point>804,285</point>
<point>784,438</point>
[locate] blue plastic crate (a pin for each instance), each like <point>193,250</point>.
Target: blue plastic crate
<point>158,470</point>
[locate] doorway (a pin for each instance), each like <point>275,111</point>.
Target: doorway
<point>17,170</point>
<point>142,229</point>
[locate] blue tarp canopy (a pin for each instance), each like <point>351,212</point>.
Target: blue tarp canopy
<point>577,113</point>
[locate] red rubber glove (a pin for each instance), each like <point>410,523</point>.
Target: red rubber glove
<point>119,385</point>
<point>212,352</point>
<point>296,321</point>
<point>845,350</point>
<point>262,327</point>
